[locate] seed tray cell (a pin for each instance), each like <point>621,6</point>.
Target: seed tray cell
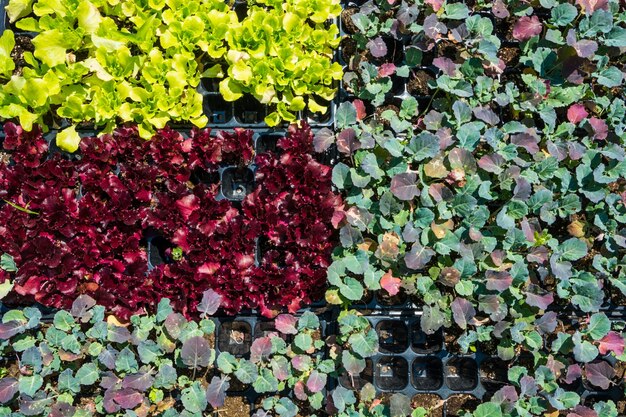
<point>412,362</point>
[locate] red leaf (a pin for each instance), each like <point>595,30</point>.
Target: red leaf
<point>591,6</point>
<point>390,283</point>
<point>316,381</point>
<point>188,205</point>
<point>576,113</point>
<point>360,109</point>
<point>527,27</point>
<point>612,342</point>
<point>600,128</point>
<point>385,70</point>
<point>286,324</point>
<point>128,398</point>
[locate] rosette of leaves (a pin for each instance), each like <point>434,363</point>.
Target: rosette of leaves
<point>80,363</point>
<point>263,61</point>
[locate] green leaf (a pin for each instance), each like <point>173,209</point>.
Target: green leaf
<point>599,326</point>
<point>425,145</point>
<point>29,385</point>
<point>194,398</point>
<point>67,382</point>
<point>303,341</point>
<point>63,321</point>
<point>345,115</point>
<point>364,344</point>
<point>564,14</point>
<point>351,289</point>
<point>610,77</point>
<point>163,310</point>
<point>87,374</point>
<point>246,372</point>
<point>68,139</point>
<point>488,410</point>
<point>17,9</point>
<point>266,382</point>
<point>573,249</point>
<point>7,263</point>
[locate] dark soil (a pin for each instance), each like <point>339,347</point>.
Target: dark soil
<point>450,337</point>
<point>346,20</point>
<point>459,403</point>
<point>22,44</point>
<point>382,109</point>
<point>234,407</point>
<point>510,55</point>
<point>504,28</point>
<point>348,49</point>
<point>494,374</point>
<point>450,50</point>
<point>431,402</point>
<point>418,84</point>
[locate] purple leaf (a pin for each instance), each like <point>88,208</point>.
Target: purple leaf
<point>118,334</point>
<point>81,306</point>
<point>216,391</point>
<point>499,9</point>
<point>323,139</point>
<point>492,163</point>
<point>10,329</point>
<point>418,257</point>
<point>498,281</point>
<point>8,389</point>
<point>140,381</point>
<point>62,409</point>
<point>540,301</point>
<point>109,404</point>
<point>347,142</point>
<point>34,406</point>
<point>591,6</point>
<point>538,255</point>
<point>576,113</point>
<point>612,342</point>
<point>211,301</point>
<point>487,115</point>
<point>526,141</point>
<point>573,373</point>
<point>316,382</point>
<point>109,380</point>
<point>600,374</point>
<point>433,28</point>
<point>528,386</point>
<point>506,394</point>
<point>582,411</point>
<point>174,324</point>
<point>527,27</point>
<point>600,128</point>
<point>286,324</point>
<point>299,391</point>
<point>446,65</point>
<point>462,311</point>
<point>403,186</point>
<point>547,323</point>
<point>260,347</point>
<point>377,47</point>
<point>196,352</point>
<point>128,398</point>
<point>585,48</point>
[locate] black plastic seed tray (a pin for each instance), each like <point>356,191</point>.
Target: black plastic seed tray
<point>425,367</point>
<point>235,336</point>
